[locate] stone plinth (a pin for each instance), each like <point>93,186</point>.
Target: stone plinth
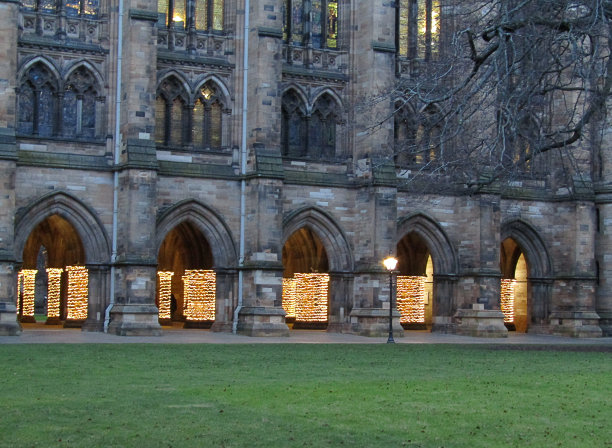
<point>262,321</point>
<point>134,320</point>
<point>8,320</point>
<point>577,324</point>
<point>480,322</point>
<point>374,322</point>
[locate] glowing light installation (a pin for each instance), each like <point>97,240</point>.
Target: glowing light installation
<point>78,284</point>
<point>53,292</point>
<point>411,299</point>
<point>507,299</point>
<point>199,292</point>
<point>28,277</point>
<point>19,290</point>
<point>305,297</point>
<point>289,297</point>
<point>165,294</point>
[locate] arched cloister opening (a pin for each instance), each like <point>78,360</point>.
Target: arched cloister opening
<point>414,283</point>
<point>53,282</point>
<point>305,280</point>
<point>197,262</point>
<point>186,282</point>
<point>316,246</point>
<point>429,264</point>
<point>526,278</point>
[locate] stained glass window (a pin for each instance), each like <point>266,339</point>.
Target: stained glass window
<point>46,111</point>
<point>215,125</point>
<point>84,8</point>
<point>418,33</point>
<point>26,110</point>
<point>170,113</point>
<point>208,118</point>
<point>218,15</point>
<point>70,113</point>
<point>205,15</point>
<point>176,122</point>
<point>319,25</point>
<point>160,120</point>
<point>293,130</point>
<point>201,14</point>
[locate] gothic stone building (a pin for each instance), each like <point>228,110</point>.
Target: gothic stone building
<point>200,161</point>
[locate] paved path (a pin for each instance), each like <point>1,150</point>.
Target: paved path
<point>39,334</point>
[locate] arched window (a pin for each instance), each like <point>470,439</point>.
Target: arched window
<point>319,26</point>
<point>79,104</point>
<point>73,8</point>
<point>417,136</point>
<point>37,102</point>
<point>170,108</point>
<point>293,130</point>
<point>201,15</point>
<point>208,117</point>
<point>521,141</point>
<point>418,29</point>
<point>322,128</point>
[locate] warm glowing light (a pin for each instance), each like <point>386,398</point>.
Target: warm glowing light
<point>306,297</point>
<point>53,291</point>
<point>507,299</point>
<point>28,279</point>
<point>165,294</point>
<point>289,297</point>
<point>177,19</point>
<point>19,290</point>
<point>390,263</point>
<point>411,299</point>
<point>78,284</point>
<point>200,288</point>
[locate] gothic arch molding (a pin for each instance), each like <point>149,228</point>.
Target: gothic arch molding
<point>443,255</point>
<point>528,239</point>
<point>324,226</point>
<point>208,222</point>
<point>82,218</point>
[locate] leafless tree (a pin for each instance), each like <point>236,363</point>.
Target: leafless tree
<point>518,91</point>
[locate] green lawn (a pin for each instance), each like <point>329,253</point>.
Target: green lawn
<point>295,395</point>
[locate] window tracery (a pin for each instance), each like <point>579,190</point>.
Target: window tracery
<point>418,29</point>
<point>200,15</point>
<point>314,22</point>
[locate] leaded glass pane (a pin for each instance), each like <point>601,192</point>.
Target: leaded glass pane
<point>297,22</point>
<point>332,24</point>
<point>179,14</point>
<point>315,24</point>
<point>26,110</point>
<point>435,28</point>
<point>197,131</point>
<point>201,14</point>
<point>91,8</point>
<point>69,115</point>
<point>328,138</point>
<point>404,17</point>
<point>295,135</point>
<point>160,120</point>
<point>215,125</point>
<point>88,117</point>
<point>46,111</point>
<point>73,7</point>
<point>28,4</point>
<point>162,12</point>
<point>284,12</point>
<point>218,9</point>
<point>422,28</point>
<point>315,136</point>
<point>47,6</point>
<point>176,123</point>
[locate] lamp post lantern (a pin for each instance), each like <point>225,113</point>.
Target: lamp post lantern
<point>390,264</point>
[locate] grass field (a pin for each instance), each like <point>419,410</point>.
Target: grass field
<point>299,395</point>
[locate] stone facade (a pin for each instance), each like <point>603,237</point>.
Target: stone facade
<point>123,194</point>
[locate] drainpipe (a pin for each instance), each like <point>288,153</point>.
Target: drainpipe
<point>243,162</point>
<point>116,153</point>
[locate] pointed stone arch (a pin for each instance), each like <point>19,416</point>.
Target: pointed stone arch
<point>84,220</point>
<point>208,222</point>
<point>443,255</point>
<point>324,226</point>
<point>528,239</point>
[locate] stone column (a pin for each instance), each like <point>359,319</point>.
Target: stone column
<point>8,157</point>
<point>134,311</point>
<point>482,316</point>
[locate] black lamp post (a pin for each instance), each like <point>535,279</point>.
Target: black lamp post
<point>390,263</point>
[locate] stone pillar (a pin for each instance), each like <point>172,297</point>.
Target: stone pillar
<point>227,284</point>
<point>261,313</point>
<point>340,305</point>
<point>573,313</point>
<point>8,157</point>
<point>99,279</point>
<point>134,311</point>
<point>483,316</point>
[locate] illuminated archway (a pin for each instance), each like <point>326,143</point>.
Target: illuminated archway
<point>526,271</point>
<point>53,281</point>
<point>414,282</point>
<point>424,250</point>
<point>186,282</point>
<point>305,280</point>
